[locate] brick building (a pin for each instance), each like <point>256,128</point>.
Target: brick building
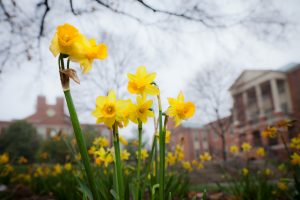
<point>50,119</point>
<point>260,98</point>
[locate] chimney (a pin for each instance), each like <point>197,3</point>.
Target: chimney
<point>41,104</point>
<point>60,104</point>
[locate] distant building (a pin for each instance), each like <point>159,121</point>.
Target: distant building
<point>261,98</point>
<point>51,119</point>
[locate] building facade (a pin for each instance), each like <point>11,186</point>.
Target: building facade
<point>49,120</point>
<point>260,98</point>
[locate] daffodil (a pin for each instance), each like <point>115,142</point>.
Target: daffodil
<point>86,51</point>
<point>101,141</point>
<point>295,159</point>
<point>125,155</point>
<point>170,159</point>
<point>295,143</point>
<point>179,109</point>
<point>109,110</point>
<point>281,167</point>
<point>282,185</point>
<point>57,169</point>
<point>68,166</point>
<point>268,172</point>
<point>179,152</point>
<point>205,157</point>
<point>187,166</point>
<point>234,149</point>
<point>168,136</point>
<point>246,147</point>
<point>141,110</point>
<point>260,152</point>
<point>4,158</point>
<point>123,140</point>
<point>22,160</point>
<point>69,41</point>
<point>64,39</point>
<point>245,171</point>
<point>142,82</point>
<point>144,154</point>
<point>200,166</point>
<point>270,132</point>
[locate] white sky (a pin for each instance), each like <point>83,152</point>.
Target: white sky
<point>174,55</point>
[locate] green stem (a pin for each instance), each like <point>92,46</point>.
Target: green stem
<point>118,164</point>
<point>161,153</point>
<point>81,144</point>
<point>150,161</point>
<point>140,128</point>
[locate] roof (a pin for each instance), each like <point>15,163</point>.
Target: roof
<point>191,125</point>
<point>289,67</point>
<point>242,76</point>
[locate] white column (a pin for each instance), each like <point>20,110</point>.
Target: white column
<point>245,102</point>
<point>275,96</point>
<point>259,101</point>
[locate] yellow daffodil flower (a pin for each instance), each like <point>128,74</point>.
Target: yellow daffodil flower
<point>91,150</point>
<point>246,147</point>
<point>200,166</point>
<point>123,140</point>
<point>101,142</point>
<point>281,167</point>
<point>168,136</point>
<point>86,51</point>
<point>268,172</point>
<point>179,152</point>
<point>68,40</point>
<point>180,110</point>
<point>4,158</point>
<point>64,39</point>
<point>205,157</point>
<point>187,166</point>
<point>141,82</point>
<point>245,171</point>
<point>141,110</point>
<point>109,110</point>
<point>125,155</point>
<point>57,169</point>
<point>282,185</point>
<point>295,159</point>
<point>170,159</point>
<point>295,143</point>
<point>234,149</point>
<point>144,154</point>
<point>68,166</point>
<point>270,132</point>
<point>260,152</point>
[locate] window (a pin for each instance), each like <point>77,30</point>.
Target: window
<point>284,107</point>
<point>216,135</point>
<point>281,86</point>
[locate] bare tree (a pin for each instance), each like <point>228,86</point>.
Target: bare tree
<point>25,24</point>
<point>209,89</point>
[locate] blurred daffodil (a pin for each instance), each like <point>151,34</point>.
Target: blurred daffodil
<point>180,110</point>
<point>141,82</point>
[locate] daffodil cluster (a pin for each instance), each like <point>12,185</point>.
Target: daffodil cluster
<point>70,42</point>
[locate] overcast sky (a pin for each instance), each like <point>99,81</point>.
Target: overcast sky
<point>175,54</point>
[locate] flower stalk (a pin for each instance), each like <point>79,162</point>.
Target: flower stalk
<point>118,164</point>
<point>161,152</point>
<point>77,130</point>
